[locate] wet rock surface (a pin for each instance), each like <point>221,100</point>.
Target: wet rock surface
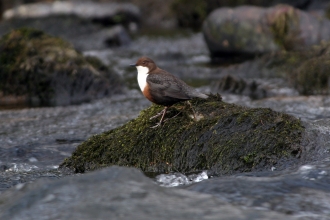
<point>116,192</point>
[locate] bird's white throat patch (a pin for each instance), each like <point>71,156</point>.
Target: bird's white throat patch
<point>142,76</point>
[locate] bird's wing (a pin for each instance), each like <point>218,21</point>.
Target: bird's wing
<point>165,84</point>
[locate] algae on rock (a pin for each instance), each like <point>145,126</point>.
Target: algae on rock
<point>225,138</point>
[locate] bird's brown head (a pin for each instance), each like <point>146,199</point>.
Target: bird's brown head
<point>146,62</point>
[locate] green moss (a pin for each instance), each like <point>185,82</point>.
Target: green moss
<point>226,138</point>
<point>22,55</point>
<point>313,76</point>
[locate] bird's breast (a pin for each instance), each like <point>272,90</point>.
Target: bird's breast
<point>142,76</point>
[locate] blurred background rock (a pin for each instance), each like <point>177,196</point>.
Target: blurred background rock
<point>187,13</point>
<point>234,31</point>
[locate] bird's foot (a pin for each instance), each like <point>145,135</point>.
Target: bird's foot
<point>162,118</point>
<point>162,122</point>
<point>157,125</point>
<point>157,115</point>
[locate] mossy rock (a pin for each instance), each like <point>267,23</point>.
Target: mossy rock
<point>225,138</point>
<point>308,71</point>
<point>49,71</point>
<point>313,76</point>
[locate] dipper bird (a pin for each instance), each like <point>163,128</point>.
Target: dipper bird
<point>161,87</point>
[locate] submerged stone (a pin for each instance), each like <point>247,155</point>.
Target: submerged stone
<point>39,69</point>
<point>224,138</point>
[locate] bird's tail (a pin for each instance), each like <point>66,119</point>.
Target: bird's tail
<point>201,95</point>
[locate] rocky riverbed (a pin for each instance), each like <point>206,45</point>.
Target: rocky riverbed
<point>34,141</point>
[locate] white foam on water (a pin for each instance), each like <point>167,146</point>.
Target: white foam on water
<point>178,179</point>
<point>22,167</point>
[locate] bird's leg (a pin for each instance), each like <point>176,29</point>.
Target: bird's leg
<point>158,114</point>
<point>162,118</point>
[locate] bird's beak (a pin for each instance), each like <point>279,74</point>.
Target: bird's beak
<point>132,65</point>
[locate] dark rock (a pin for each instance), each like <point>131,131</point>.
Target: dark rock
<point>116,193</point>
<point>225,138</point>
<point>254,88</point>
<point>47,71</point>
<point>230,84</point>
<point>248,31</point>
<point>237,85</point>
